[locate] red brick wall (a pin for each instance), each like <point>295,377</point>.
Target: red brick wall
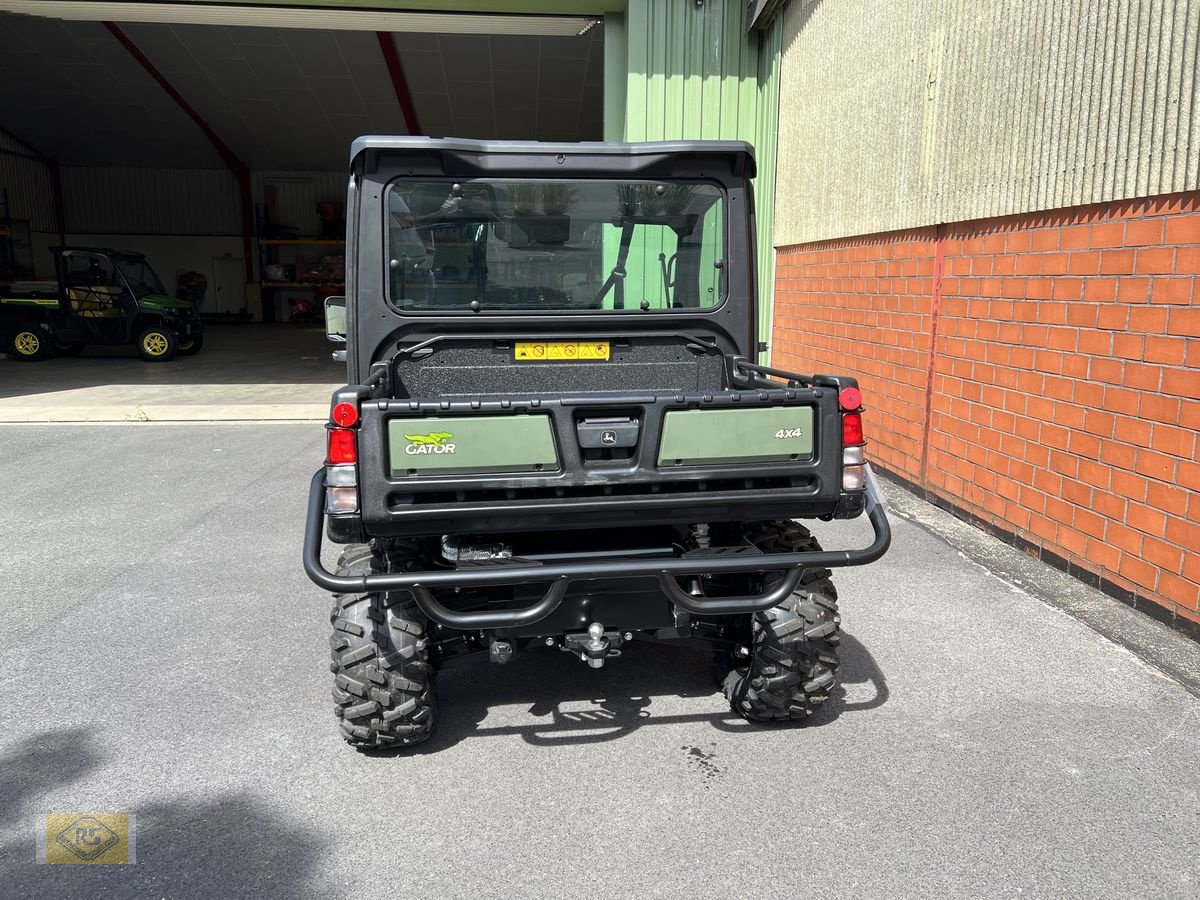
<point>1040,372</point>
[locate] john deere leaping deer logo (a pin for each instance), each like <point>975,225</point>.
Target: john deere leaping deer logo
<point>424,444</point>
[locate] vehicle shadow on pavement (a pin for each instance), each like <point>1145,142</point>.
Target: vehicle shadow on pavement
<point>224,845</point>
<point>570,704</point>
<point>858,667</point>
<point>39,764</point>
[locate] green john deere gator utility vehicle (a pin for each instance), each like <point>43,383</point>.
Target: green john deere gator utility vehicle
<point>555,433</point>
<point>100,296</point>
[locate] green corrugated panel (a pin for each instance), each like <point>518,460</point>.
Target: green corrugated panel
<point>695,73</point>
<point>768,140</point>
<point>616,61</point>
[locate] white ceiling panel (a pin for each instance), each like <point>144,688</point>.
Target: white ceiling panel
<point>423,72</point>
<point>281,98</point>
<point>204,42</point>
<point>298,97</point>
<point>74,93</point>
<point>560,79</point>
<point>517,124</point>
<point>506,86</point>
<point>372,81</point>
<point>385,118</point>
<point>275,68</point>
<point>235,78</point>
<point>516,90</point>
<point>297,106</point>
<point>521,54</point>
<point>251,36</point>
<point>161,45</point>
<point>336,95</point>
<point>318,53</point>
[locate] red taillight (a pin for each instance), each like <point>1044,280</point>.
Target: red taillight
<point>344,414</point>
<point>342,447</point>
<point>850,398</point>
<point>852,431</point>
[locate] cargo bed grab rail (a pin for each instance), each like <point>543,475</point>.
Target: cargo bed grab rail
<point>560,574</point>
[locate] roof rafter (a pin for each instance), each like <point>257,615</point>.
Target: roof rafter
<point>399,83</point>
<point>236,165</point>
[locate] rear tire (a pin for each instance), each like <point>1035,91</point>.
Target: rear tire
<point>30,344</point>
<point>794,660</point>
<point>383,684</point>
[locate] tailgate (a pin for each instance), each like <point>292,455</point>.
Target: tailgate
<point>513,463</point>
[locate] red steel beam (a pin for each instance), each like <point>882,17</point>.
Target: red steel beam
<point>403,96</point>
<point>240,170</point>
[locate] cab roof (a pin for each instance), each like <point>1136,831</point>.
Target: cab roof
<point>479,157</point>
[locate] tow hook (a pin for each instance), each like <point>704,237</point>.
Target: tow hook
<point>500,652</point>
<point>596,645</point>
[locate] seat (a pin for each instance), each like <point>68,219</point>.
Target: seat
<point>95,302</point>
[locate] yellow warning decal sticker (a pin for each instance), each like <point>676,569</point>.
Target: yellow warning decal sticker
<point>30,301</point>
<point>560,351</point>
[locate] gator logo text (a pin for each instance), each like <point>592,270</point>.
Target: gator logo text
<point>425,444</point>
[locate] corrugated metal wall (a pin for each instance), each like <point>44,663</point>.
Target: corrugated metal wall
<point>106,200</point>
<point>895,115</point>
<point>695,73</point>
<point>298,193</point>
<point>151,201</point>
<point>765,190</point>
<point>30,186</point>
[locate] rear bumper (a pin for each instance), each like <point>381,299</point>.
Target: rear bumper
<point>558,575</point>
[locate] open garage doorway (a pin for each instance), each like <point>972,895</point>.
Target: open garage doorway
<point>214,139</point>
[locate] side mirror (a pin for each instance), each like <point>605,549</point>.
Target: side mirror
<point>335,319</point>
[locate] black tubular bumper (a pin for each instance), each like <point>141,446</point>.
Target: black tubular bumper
<point>558,575</point>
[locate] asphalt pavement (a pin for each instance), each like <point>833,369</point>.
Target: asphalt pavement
<point>162,654</point>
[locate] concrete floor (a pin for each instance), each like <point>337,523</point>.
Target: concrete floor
<point>161,653</point>
<point>244,372</point>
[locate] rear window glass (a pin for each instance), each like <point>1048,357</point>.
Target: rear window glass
<point>554,245</point>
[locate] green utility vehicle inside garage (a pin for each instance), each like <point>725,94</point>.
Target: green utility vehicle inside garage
<point>101,297</point>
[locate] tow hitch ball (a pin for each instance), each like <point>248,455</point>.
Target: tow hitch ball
<point>597,645</point>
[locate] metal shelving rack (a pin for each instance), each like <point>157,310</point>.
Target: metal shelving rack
<point>268,254</point>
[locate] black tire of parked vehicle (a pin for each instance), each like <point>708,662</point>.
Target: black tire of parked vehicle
<point>71,349</point>
<point>30,344</point>
<point>794,647</point>
<point>190,346</point>
<point>383,684</point>
<point>156,344</point>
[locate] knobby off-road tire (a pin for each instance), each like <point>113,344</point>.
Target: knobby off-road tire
<point>794,662</point>
<point>383,684</point>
